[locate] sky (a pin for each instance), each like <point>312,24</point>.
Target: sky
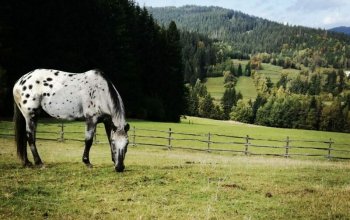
<point>311,13</point>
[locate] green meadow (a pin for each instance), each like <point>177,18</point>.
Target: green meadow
<point>245,85</point>
<point>159,183</point>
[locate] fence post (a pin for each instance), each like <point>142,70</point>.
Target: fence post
<point>134,136</point>
<point>246,145</point>
<point>169,139</point>
<point>61,139</point>
<point>329,148</point>
<point>287,147</point>
<point>208,150</point>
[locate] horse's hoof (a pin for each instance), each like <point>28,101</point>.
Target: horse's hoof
<point>28,164</point>
<point>40,165</point>
<point>89,165</point>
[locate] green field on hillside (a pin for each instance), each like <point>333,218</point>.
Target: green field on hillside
<point>216,88</point>
<point>246,86</point>
<point>215,85</point>
<point>269,70</point>
<point>172,184</point>
<point>275,72</point>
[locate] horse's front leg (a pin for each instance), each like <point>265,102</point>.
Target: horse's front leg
<point>89,135</point>
<point>31,131</point>
<point>108,129</point>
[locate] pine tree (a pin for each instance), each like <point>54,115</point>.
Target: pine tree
<point>173,99</point>
<point>239,70</point>
<point>228,100</point>
<point>259,101</point>
<point>206,106</point>
<point>248,71</point>
<point>283,81</point>
<point>332,118</point>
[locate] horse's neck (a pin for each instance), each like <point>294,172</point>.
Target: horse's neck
<point>118,113</point>
<point>118,120</point>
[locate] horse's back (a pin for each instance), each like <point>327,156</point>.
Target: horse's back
<point>60,94</point>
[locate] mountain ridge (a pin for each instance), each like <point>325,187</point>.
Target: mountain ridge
<point>249,35</point>
<point>341,29</point>
<point>235,26</point>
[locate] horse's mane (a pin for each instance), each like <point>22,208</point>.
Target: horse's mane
<point>118,105</point>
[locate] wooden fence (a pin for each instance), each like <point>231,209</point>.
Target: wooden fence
<point>209,142</point>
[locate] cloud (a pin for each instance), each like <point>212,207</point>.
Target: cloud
<point>316,5</point>
<point>332,19</point>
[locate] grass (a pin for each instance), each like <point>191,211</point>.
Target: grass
<point>275,72</point>
<point>246,86</point>
<point>177,184</point>
<point>215,85</point>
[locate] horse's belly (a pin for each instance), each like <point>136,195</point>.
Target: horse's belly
<point>62,105</point>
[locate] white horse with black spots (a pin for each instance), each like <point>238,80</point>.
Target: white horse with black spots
<point>69,96</point>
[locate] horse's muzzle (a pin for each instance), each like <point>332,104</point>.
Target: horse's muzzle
<point>120,168</point>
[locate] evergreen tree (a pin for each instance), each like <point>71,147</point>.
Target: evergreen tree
<point>312,120</point>
<point>120,38</point>
<point>192,103</point>
<point>315,84</point>
<point>331,81</point>
<point>200,89</point>
<point>248,71</point>
<point>174,79</point>
<point>239,70</point>
<point>340,81</point>
<point>269,83</point>
<point>259,101</point>
<point>206,106</point>
<point>283,81</point>
<point>228,100</point>
<point>263,113</point>
<point>332,118</point>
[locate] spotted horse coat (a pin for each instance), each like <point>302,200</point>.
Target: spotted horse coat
<point>71,96</point>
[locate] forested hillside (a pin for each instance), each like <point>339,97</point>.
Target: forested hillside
<point>249,35</point>
<point>141,58</point>
<point>311,91</point>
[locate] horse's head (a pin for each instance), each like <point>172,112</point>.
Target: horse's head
<point>119,146</point>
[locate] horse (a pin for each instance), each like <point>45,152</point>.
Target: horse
<point>88,96</point>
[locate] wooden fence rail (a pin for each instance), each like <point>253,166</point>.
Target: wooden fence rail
<point>211,142</point>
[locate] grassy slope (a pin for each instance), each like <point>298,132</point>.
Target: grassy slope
<point>245,85</point>
<point>215,86</point>
<point>173,184</point>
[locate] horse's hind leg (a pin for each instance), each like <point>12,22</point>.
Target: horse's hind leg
<point>25,161</point>
<point>89,134</point>
<point>31,133</point>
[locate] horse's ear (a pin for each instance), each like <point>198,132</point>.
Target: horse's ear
<point>127,127</point>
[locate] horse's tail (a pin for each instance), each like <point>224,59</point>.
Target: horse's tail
<point>20,132</point>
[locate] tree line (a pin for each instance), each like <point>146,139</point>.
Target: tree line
<point>141,58</point>
<point>250,35</point>
<point>318,100</point>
